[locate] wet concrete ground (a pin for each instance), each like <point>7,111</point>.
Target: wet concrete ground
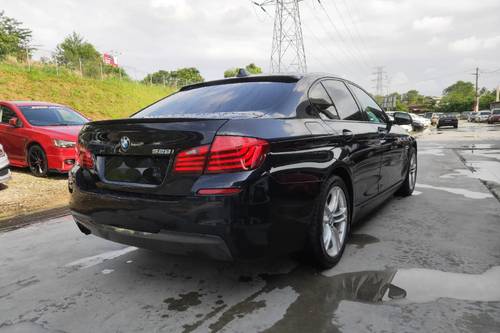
<point>430,262</point>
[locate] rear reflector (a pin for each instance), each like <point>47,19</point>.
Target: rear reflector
<point>219,191</point>
<point>226,154</point>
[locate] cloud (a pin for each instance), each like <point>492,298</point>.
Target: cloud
<point>473,44</point>
<point>433,24</point>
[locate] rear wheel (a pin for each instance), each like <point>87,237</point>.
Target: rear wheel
<point>37,161</point>
<point>330,226</point>
<point>408,185</point>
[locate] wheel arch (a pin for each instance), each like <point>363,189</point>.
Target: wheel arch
<point>344,173</point>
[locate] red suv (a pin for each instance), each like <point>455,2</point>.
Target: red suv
<point>40,135</point>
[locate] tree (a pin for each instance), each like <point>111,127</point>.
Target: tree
<point>181,76</point>
<point>250,68</point>
<point>14,39</point>
<point>458,97</point>
<point>74,50</point>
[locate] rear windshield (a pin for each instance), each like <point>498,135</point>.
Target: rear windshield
<point>485,113</point>
<point>226,100</point>
<point>51,115</point>
<point>496,111</point>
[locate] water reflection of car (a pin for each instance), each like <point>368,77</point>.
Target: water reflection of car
<point>495,116</point>
<point>4,166</point>
<point>40,135</point>
<point>483,116</point>
<point>448,120</point>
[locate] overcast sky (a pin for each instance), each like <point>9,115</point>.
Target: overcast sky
<point>423,44</point>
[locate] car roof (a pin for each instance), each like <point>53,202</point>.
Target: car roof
<point>32,103</point>
<point>278,77</point>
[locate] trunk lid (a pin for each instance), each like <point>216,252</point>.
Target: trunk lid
<point>136,155</point>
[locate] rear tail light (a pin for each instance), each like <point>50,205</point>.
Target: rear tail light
<point>226,154</point>
<point>84,157</point>
<point>191,160</point>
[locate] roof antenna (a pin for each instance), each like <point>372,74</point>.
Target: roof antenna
<point>242,73</point>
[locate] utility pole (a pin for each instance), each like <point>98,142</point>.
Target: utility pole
<point>498,94</point>
<point>81,70</point>
<point>288,52</point>
<point>379,80</point>
<point>476,103</point>
<point>28,58</point>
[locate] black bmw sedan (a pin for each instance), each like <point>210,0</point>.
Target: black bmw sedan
<point>243,168</point>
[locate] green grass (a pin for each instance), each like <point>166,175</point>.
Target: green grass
<point>107,99</point>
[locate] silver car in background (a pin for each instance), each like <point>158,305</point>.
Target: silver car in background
<point>4,166</point>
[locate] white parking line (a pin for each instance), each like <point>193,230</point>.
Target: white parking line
<point>100,258</point>
<point>459,191</point>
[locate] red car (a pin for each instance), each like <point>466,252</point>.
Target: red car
<point>40,135</point>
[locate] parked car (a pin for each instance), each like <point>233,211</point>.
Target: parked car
<point>419,122</point>
<point>449,119</point>
<point>495,116</point>
<point>472,117</point>
<point>243,168</point>
<point>4,166</point>
<point>483,116</point>
<point>40,135</point>
<point>465,115</point>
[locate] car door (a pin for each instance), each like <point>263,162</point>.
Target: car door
<point>393,146</point>
<point>361,139</point>
<point>11,137</point>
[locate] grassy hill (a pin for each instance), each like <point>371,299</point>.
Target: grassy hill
<point>110,98</point>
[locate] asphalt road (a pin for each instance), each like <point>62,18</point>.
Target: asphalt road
<point>430,262</point>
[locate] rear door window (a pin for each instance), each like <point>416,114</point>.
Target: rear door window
<point>221,100</point>
<point>342,99</point>
<point>6,114</point>
<point>372,109</point>
<point>319,98</point>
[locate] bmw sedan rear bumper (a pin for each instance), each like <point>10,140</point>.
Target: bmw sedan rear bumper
<point>180,243</point>
<point>216,226</point>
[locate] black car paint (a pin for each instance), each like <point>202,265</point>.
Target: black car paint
<point>272,213</point>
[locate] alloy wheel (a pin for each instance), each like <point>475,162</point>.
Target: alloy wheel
<point>412,177</point>
<point>37,161</point>
<point>335,219</point>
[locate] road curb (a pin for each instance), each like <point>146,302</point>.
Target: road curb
<point>25,220</point>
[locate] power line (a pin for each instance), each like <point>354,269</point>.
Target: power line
<point>341,45</point>
<point>361,59</point>
<point>348,29</point>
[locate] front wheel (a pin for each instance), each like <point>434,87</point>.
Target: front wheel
<point>37,161</point>
<point>408,185</point>
<point>331,223</point>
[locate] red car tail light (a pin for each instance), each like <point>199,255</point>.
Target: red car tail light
<point>191,160</point>
<point>84,157</point>
<point>226,154</point>
<point>236,153</point>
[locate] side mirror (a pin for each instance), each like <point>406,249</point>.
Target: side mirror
<point>14,122</point>
<point>402,118</point>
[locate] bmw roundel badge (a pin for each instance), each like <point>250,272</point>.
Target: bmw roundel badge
<point>124,143</point>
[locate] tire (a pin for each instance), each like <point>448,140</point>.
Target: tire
<point>408,185</point>
<point>456,126</point>
<point>319,244</point>
<point>37,161</point>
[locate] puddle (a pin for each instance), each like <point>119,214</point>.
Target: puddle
<point>484,170</point>
<point>319,294</point>
<point>460,191</point>
<point>107,271</point>
<point>425,285</point>
<point>361,240</point>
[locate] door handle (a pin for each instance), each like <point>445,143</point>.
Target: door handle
<point>347,134</point>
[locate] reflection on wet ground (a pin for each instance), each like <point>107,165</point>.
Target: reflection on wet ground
<point>318,297</point>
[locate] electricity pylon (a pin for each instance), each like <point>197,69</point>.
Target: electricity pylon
<point>288,53</point>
